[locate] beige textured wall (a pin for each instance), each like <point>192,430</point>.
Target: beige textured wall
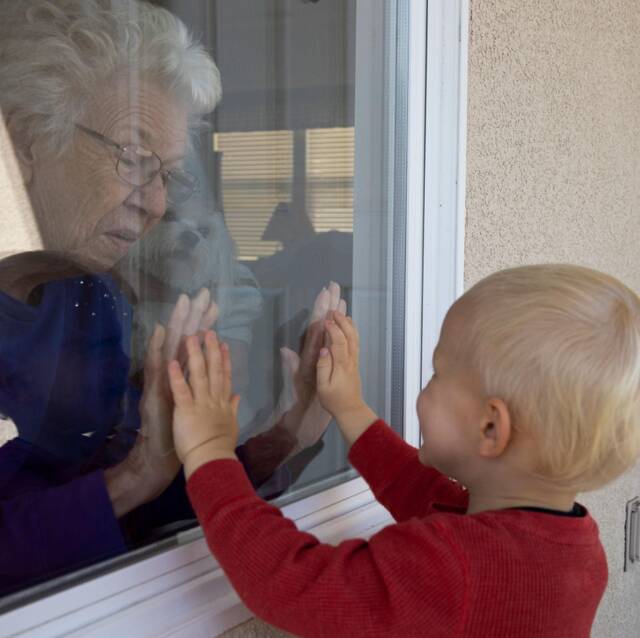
<point>554,175</point>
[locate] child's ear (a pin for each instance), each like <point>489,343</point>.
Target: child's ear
<point>496,429</point>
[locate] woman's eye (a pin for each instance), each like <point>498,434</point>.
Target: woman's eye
<point>204,231</point>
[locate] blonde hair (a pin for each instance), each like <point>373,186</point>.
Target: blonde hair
<point>560,344</point>
<point>55,53</point>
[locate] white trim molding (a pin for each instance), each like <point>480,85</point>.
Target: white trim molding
<point>182,592</point>
<point>445,166</point>
<point>436,184</point>
<point>415,244</point>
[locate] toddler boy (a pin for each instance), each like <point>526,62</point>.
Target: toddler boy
<point>535,396</point>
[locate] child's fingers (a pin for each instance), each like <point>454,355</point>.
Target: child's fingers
<point>348,328</point>
<point>197,367</point>
<point>324,368</point>
<point>181,353</point>
<point>235,403</point>
<point>179,387</point>
<point>339,346</point>
<point>214,363</point>
<point>226,370</point>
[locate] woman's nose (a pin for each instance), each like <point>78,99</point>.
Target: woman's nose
<point>153,197</point>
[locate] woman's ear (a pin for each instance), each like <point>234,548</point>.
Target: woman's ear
<point>496,429</point>
<point>26,159</point>
<point>23,149</point>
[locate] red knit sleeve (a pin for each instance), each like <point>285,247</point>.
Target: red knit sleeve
<point>397,478</point>
<point>407,580</point>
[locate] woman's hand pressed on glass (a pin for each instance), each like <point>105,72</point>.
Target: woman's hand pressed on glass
<point>152,462</point>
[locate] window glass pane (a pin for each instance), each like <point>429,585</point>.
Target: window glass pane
<point>231,163</point>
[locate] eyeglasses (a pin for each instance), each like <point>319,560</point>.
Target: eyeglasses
<point>139,166</point>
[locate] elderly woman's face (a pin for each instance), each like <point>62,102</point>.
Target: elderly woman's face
<point>84,209</point>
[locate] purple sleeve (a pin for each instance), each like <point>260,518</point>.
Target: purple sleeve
<point>56,529</point>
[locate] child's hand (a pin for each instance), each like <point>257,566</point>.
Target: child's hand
<point>205,426</point>
<point>338,381</point>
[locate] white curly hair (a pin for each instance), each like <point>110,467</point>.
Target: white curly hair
<point>54,53</point>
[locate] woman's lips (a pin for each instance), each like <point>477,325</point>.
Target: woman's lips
<point>123,237</point>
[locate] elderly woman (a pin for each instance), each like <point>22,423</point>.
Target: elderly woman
<point>99,98</point>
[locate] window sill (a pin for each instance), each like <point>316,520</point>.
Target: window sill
<point>183,592</point>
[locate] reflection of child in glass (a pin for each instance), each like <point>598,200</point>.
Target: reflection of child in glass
<point>535,397</point>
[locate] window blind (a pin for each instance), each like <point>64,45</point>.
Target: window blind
<point>258,173</point>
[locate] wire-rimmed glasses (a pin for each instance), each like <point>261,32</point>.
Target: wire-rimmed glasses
<point>139,166</point>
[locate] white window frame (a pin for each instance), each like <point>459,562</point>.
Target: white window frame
<point>182,592</point>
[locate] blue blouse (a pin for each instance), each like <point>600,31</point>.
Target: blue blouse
<point>64,367</point>
<point>63,382</point>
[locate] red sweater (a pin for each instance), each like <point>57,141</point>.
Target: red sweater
<point>436,572</point>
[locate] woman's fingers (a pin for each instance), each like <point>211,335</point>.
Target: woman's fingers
<point>290,362</point>
<point>179,387</point>
<point>210,317</point>
<point>199,306</point>
<point>290,365</point>
<point>313,341</point>
<point>153,361</point>
<point>327,300</point>
<point>334,295</point>
<point>320,306</point>
<point>175,326</point>
<point>188,317</point>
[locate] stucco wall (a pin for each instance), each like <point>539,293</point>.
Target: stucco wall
<point>554,175</point>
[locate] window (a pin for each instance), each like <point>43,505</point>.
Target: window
<point>257,175</point>
<point>310,169</point>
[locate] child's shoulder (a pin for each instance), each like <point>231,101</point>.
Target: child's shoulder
<point>522,526</point>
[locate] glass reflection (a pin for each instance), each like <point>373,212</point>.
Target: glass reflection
<point>87,468</point>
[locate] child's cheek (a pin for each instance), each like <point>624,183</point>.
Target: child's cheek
<point>421,404</point>
<point>422,455</point>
